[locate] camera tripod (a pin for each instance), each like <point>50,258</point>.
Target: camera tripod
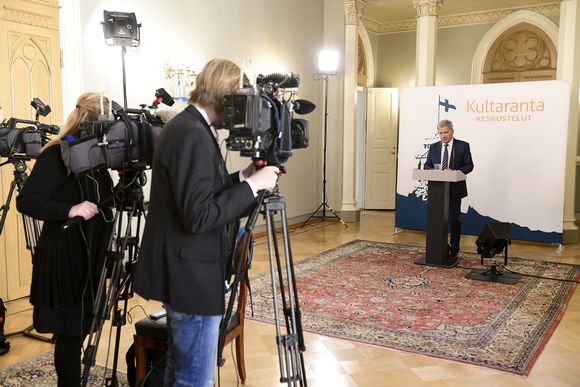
<point>123,243</point>
<point>291,344</point>
<point>31,228</point>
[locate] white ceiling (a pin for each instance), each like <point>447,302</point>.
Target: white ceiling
<point>385,11</point>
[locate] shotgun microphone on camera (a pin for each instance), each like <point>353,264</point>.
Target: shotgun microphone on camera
<point>302,106</point>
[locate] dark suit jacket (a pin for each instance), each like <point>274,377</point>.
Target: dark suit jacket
<point>459,159</point>
<point>192,201</point>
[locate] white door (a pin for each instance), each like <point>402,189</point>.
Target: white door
<point>381,148</point>
<point>361,144</point>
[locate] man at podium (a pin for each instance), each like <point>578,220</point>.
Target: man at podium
<point>454,154</point>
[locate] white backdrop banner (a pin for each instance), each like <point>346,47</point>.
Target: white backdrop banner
<point>517,133</point>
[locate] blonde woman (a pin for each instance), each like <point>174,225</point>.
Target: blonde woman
<point>67,263</point>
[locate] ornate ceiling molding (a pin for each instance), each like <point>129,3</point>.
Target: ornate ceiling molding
<point>472,18</point>
<point>353,10</point>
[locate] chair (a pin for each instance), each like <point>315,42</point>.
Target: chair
<point>152,335</point>
<point>235,329</point>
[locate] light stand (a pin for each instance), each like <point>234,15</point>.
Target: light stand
<point>324,205</point>
<point>123,52</point>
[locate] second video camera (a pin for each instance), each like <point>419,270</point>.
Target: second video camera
<point>124,141</point>
<point>24,141</point>
<point>261,122</point>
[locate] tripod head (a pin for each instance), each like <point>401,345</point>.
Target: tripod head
<point>19,162</point>
<point>20,168</point>
<point>129,189</point>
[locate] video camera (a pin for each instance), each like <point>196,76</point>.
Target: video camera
<point>260,119</point>
<point>26,142</point>
<point>123,139</point>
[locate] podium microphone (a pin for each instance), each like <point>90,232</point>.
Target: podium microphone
<point>423,155</point>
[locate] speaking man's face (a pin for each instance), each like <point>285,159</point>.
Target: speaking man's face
<point>445,134</point>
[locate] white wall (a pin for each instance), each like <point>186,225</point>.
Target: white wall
<point>277,36</point>
<point>455,50</point>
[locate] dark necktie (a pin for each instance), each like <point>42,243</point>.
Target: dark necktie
<point>445,162</point>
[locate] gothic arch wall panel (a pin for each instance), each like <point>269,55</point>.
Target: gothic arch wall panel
<point>29,67</point>
<point>540,25</point>
<point>523,52</point>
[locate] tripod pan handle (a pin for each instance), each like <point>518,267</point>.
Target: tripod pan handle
<point>71,222</point>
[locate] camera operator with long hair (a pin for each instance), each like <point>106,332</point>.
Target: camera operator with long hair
<point>67,263</point>
<point>194,209</point>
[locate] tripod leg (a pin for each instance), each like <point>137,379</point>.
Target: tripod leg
<point>103,303</point>
<point>336,216</point>
<point>28,333</point>
<point>291,362</point>
<point>323,206</point>
<point>31,235</point>
<point>313,214</point>
<point>294,307</point>
<point>130,245</point>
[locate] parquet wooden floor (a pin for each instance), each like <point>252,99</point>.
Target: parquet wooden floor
<point>334,362</point>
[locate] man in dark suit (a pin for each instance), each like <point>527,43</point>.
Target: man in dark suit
<point>191,226</point>
<point>451,153</point>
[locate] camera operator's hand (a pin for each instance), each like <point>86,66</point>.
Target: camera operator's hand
<point>249,170</point>
<point>265,178</point>
<point>85,210</point>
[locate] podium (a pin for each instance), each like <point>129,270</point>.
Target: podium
<point>437,214</point>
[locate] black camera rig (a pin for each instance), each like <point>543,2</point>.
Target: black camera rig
<point>124,140</point>
<point>24,138</point>
<point>260,119</point>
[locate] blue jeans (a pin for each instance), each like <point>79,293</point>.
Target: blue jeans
<point>191,349</point>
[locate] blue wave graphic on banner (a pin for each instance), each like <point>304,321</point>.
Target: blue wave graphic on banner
<point>412,214</point>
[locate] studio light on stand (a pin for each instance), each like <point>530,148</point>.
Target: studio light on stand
<point>121,29</point>
<point>327,66</point>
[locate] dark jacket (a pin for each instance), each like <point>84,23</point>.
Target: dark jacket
<point>192,202</point>
<point>459,160</point>
<point>60,265</point>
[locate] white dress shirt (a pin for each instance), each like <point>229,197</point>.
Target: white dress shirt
<point>449,147</point>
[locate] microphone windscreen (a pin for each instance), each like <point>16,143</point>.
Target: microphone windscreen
<point>302,106</point>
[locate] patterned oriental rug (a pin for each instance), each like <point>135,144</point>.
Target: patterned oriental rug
<point>39,372</point>
<point>373,293</point>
